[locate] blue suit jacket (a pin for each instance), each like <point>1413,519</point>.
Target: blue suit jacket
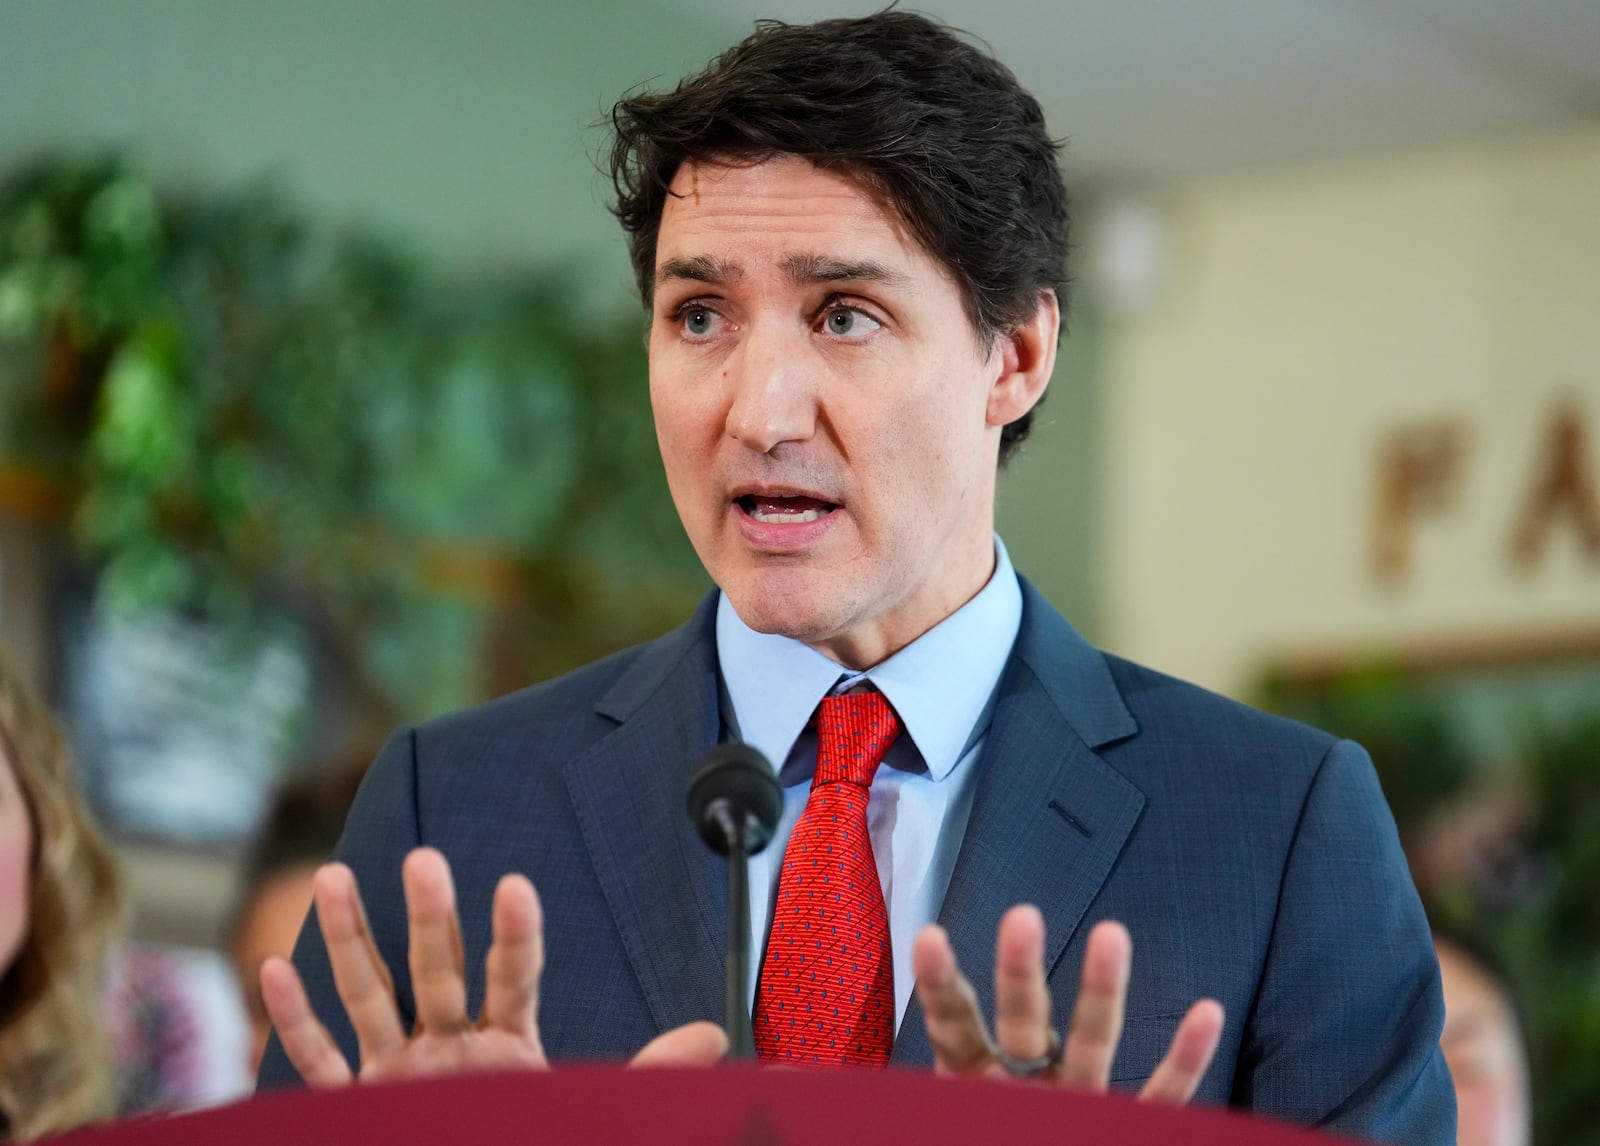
<point>1253,860</point>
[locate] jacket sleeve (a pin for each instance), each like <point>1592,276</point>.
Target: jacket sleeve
<point>383,826</point>
<point>1344,1031</point>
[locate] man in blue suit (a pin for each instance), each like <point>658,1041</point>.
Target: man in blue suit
<point>851,241</point>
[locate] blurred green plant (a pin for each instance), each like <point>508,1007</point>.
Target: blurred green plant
<point>1418,752</point>
<point>1549,940</point>
<point>1534,909</point>
<point>247,408</point>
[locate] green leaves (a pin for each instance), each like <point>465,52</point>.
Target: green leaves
<point>80,247</point>
<point>145,429</point>
<point>462,473</point>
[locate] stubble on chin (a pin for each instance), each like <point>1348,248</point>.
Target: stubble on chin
<point>802,612</point>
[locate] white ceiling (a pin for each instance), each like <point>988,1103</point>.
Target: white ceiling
<point>1155,89</point>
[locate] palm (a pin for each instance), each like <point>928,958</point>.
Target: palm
<point>430,1054</point>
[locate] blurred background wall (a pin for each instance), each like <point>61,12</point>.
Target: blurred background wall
<point>1314,325</point>
<point>1325,432</point>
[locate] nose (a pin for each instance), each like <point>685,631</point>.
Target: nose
<point>773,393</point>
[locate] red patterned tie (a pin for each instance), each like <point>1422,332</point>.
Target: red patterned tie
<point>827,983</point>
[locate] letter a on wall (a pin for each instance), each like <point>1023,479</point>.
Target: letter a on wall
<point>1565,491</point>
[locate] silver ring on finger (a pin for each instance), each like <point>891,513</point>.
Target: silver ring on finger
<point>1032,1067</point>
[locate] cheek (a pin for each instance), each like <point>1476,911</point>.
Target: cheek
<point>688,417</point>
<point>16,846</point>
<point>1481,1112</point>
<point>688,432</point>
<point>937,445</point>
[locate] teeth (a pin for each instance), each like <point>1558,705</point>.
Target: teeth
<point>786,518</point>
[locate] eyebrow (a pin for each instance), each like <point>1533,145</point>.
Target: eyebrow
<point>802,270</point>
<point>805,269</point>
<point>700,269</point>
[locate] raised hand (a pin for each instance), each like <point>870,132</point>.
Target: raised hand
<point>961,1042</point>
<point>444,1039</point>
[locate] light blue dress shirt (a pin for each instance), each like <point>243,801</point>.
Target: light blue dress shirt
<point>942,686</point>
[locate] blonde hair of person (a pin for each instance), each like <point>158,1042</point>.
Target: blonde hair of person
<point>55,1063</point>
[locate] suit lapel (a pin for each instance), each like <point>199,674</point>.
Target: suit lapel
<point>665,890</point>
<point>1049,817</point>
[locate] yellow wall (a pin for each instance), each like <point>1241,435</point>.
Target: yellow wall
<point>1305,315</point>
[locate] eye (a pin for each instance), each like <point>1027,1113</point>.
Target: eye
<point>698,322</point>
<point>848,322</point>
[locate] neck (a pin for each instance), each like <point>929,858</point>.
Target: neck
<point>870,645</point>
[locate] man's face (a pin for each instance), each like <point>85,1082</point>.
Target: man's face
<point>828,417</point>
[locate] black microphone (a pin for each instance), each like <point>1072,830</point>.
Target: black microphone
<point>735,801</point>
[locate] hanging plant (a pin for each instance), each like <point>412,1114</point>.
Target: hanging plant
<point>247,407</point>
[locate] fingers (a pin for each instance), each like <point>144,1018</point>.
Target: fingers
<point>1097,1016</point>
<point>306,1041</point>
<point>438,968</point>
<point>515,961</point>
<point>362,980</point>
<point>1022,1001</point>
<point>1193,1046</point>
<point>949,1005</point>
<point>697,1044</point>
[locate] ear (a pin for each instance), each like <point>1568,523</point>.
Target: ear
<point>1026,356</point>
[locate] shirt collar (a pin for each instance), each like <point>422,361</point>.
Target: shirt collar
<point>940,684</point>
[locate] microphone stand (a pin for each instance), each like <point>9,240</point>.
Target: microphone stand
<point>741,1038</point>
<point>735,802</point>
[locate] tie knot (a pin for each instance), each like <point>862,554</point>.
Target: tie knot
<point>853,734</point>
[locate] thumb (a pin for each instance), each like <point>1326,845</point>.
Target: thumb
<point>695,1044</point>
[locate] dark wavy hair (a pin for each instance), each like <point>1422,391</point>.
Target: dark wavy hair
<point>936,125</point>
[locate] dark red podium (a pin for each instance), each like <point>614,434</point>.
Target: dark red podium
<point>730,1106</point>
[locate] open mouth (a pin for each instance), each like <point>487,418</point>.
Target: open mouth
<point>783,510</point>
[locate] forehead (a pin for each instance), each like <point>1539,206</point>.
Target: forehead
<point>767,210</point>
